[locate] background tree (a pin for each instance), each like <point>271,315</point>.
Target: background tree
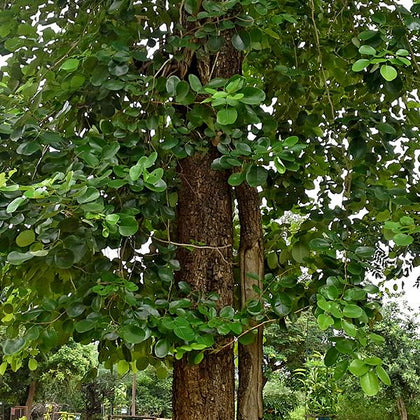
<point>128,123</point>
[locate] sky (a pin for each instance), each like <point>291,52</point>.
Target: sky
<point>411,294</point>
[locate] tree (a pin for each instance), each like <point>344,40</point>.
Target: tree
<point>129,124</point>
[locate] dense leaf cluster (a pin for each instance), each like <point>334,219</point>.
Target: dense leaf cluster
<point>100,101</point>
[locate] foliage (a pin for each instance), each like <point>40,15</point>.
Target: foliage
<point>279,398</point>
<point>321,389</point>
<point>100,101</point>
<point>153,395</point>
<point>61,375</point>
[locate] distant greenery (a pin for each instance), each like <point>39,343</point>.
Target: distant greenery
<point>286,397</point>
<point>296,377</point>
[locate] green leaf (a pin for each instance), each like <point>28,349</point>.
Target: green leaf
<point>401,239</point>
<point>32,364</point>
<point>132,334</point>
<point>25,238</point>
<point>402,52</point>
<point>192,6</point>
<point>272,260</point>
<point>386,128</point>
<point>84,325</point>
<point>388,73</point>
<point>91,194</point>
<point>123,367</point>
<point>319,244</point>
<point>376,338</point>
<point>236,179</point>
<point>352,311</point>
<point>282,304</point>
<point>241,41</point>
<point>75,309</point>
<point>367,50</point>
<point>171,84</point>
<point>349,328</point>
<point>128,225</point>
<point>369,383</point>
<point>300,252</point>
<point>183,329</point>
<point>340,369</point>
<point>252,96</point>
<point>324,321</point>
<point>365,251</point>
<point>361,64</point>
<point>358,367</point>
<point>13,205</point>
<point>383,375</point>
<point>227,312</point>
<point>374,361</point>
<point>365,35</point>
<point>70,65</point>
<point>256,176</point>
<point>345,346</point>
<point>182,89</point>
<point>195,83</point>
<point>162,348</point>
<point>247,338</point>
<point>13,346</point>
<point>331,356</point>
<point>227,116</point>
<point>113,84</point>
<point>64,258</point>
<point>17,258</point>
<point>279,165</point>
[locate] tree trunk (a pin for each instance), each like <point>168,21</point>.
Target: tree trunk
<point>402,410</point>
<point>133,394</point>
<point>205,391</point>
<point>30,399</point>
<point>251,256</point>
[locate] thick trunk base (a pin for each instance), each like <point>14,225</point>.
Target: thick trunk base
<point>251,255</point>
<point>205,391</point>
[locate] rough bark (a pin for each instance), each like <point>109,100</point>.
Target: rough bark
<point>251,256</point>
<point>205,391</point>
<point>133,394</point>
<point>30,399</point>
<point>402,410</point>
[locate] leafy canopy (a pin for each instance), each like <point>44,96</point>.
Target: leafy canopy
<point>101,99</point>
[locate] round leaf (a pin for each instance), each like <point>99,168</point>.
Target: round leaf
<point>13,346</point>
<point>388,73</point>
<point>256,175</point>
<point>183,329</point>
<point>70,65</point>
<point>324,321</point>
<point>361,64</point>
<point>25,238</point>
<point>162,348</point>
<point>352,311</point>
<point>128,225</point>
<point>227,116</point>
<point>132,334</point>
<point>32,364</point>
<point>241,41</point>
<point>367,50</point>
<point>369,383</point>
<point>358,367</point>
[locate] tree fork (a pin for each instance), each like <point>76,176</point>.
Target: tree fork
<point>251,257</point>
